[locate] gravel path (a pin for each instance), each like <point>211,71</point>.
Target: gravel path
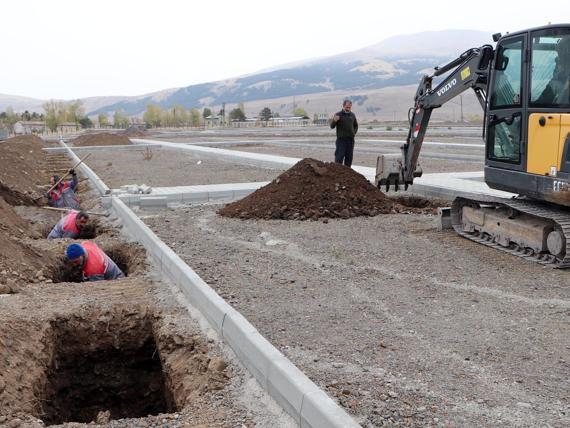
<point>429,165</point>
<point>400,323</point>
<point>171,168</point>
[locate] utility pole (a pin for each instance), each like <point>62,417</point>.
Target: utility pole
<point>461,103</point>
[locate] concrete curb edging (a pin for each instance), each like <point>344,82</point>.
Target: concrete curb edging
<point>93,178</point>
<point>198,194</point>
<point>289,387</point>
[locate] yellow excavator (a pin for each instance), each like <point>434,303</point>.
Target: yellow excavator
<point>523,86</point>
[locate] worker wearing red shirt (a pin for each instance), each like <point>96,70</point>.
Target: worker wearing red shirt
<point>70,226</point>
<point>63,195</point>
<point>95,264</point>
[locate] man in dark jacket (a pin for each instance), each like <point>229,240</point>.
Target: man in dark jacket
<point>346,128</point>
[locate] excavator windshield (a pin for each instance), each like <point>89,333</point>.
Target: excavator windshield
<point>550,77</point>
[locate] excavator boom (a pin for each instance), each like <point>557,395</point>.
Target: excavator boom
<point>523,86</point>
<point>470,70</point>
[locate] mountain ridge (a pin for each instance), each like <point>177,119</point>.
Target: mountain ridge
<point>397,61</point>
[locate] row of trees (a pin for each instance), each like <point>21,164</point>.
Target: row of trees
<point>9,117</point>
<point>177,116</point>
<point>57,113</point>
<point>267,114</point>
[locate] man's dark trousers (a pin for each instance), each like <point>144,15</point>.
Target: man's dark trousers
<point>344,151</point>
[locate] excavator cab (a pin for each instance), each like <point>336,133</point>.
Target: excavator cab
<point>523,86</point>
<point>528,115</point>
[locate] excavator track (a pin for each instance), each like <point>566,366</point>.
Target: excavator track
<point>559,217</point>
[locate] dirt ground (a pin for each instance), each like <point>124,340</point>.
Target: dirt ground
<point>401,324</point>
<point>296,142</point>
<point>171,168</point>
<point>429,165</point>
<point>110,353</point>
<point>25,169</point>
<point>312,189</point>
<point>101,139</point>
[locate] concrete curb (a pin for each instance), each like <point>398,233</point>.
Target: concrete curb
<point>290,387</point>
<point>93,178</point>
<point>119,148</point>
<point>199,194</point>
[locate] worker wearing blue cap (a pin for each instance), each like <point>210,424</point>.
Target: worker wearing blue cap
<point>95,264</point>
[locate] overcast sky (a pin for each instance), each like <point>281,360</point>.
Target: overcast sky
<point>70,49</point>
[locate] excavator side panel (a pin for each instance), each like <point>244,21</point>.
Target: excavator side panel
<point>564,131</point>
<point>544,151</point>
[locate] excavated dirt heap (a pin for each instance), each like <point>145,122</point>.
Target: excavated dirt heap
<point>312,189</point>
<point>18,261</point>
<point>136,132</point>
<point>101,139</point>
<point>23,168</point>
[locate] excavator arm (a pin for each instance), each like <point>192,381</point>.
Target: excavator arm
<point>470,70</point>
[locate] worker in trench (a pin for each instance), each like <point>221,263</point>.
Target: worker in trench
<point>70,226</point>
<point>63,195</point>
<point>95,264</point>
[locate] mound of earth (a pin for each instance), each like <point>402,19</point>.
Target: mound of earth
<point>18,261</point>
<point>25,139</point>
<point>101,139</point>
<point>23,170</point>
<point>136,132</point>
<point>312,189</point>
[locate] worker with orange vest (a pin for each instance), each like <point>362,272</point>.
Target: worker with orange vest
<point>70,226</point>
<point>63,195</point>
<point>95,264</point>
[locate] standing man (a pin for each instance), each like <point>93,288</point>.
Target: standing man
<point>63,195</point>
<point>70,226</point>
<point>346,128</point>
<point>95,264</point>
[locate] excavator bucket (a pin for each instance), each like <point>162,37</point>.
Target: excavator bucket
<point>389,172</point>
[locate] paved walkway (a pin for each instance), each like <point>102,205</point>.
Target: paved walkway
<point>440,185</point>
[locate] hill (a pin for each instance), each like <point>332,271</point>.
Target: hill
<point>397,62</point>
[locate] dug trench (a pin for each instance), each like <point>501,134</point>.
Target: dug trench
<point>130,258</point>
<point>124,350</point>
<point>102,363</point>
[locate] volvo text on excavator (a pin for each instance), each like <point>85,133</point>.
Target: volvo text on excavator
<point>523,86</point>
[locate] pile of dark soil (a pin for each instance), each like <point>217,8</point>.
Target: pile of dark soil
<point>101,139</point>
<point>136,132</point>
<point>18,261</point>
<point>23,168</point>
<point>312,189</point>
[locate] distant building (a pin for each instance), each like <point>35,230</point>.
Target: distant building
<point>26,127</point>
<point>289,121</point>
<point>274,122</point>
<point>321,119</point>
<point>213,120</point>
<point>67,127</point>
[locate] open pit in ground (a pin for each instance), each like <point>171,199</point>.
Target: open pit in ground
<point>312,189</point>
<point>106,354</point>
<point>126,350</point>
